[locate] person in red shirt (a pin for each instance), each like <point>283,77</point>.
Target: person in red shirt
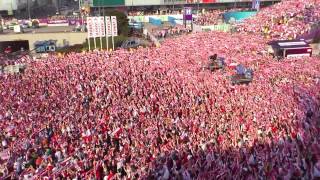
<point>8,50</point>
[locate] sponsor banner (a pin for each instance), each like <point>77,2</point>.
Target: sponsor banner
<point>63,22</point>
<point>114,26</point>
<point>108,26</point>
<point>188,13</point>
<point>90,27</point>
<point>75,22</point>
<point>101,28</point>
<point>58,21</point>
<point>95,26</point>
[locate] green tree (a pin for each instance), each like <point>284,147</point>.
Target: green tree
<point>123,22</point>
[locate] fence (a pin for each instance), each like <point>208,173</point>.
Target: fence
<point>218,27</point>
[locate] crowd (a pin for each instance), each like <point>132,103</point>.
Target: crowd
<point>285,20</point>
<point>170,31</point>
<point>214,16</point>
<point>155,113</point>
<point>155,12</point>
<point>211,17</point>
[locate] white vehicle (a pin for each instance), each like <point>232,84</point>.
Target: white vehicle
<point>18,29</point>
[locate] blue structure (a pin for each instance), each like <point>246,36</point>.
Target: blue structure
<point>45,46</point>
<point>154,21</point>
<point>238,15</point>
<point>172,20</point>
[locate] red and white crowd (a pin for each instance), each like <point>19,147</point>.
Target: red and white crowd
<point>285,20</point>
<point>154,113</point>
<point>211,17</point>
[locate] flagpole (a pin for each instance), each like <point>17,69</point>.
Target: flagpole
<point>89,44</point>
<point>101,43</point>
<point>112,42</point>
<point>100,31</point>
<point>112,32</point>
<point>107,37</point>
<point>114,29</point>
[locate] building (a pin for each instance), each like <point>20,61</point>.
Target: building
<point>8,6</point>
<point>22,8</point>
<point>128,3</point>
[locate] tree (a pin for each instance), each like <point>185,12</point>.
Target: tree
<point>123,22</point>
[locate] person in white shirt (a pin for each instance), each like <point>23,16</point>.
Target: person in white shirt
<point>4,143</point>
<point>58,155</point>
<point>17,166</point>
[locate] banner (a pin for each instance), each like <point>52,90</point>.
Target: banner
<point>75,22</point>
<point>256,4</point>
<point>188,13</point>
<point>90,27</point>
<point>102,30</point>
<point>114,26</point>
<point>96,26</point>
<point>108,26</point>
<point>172,20</point>
<point>57,21</point>
<point>155,22</point>
<point>63,22</point>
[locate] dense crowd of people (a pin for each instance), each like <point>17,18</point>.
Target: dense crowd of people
<point>170,31</point>
<point>157,12</point>
<point>212,17</point>
<point>156,113</point>
<point>285,20</point>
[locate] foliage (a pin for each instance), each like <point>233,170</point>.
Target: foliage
<point>84,47</point>
<point>123,22</point>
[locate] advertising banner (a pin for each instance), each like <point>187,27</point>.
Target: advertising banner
<point>155,22</point>
<point>102,30</point>
<point>74,22</point>
<point>108,26</point>
<point>114,26</point>
<point>63,22</point>
<point>90,27</point>
<point>96,26</point>
<point>188,13</point>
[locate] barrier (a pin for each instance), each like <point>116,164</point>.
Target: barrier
<point>146,19</point>
<point>172,20</point>
<point>156,22</point>
<point>238,15</point>
<point>219,27</point>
